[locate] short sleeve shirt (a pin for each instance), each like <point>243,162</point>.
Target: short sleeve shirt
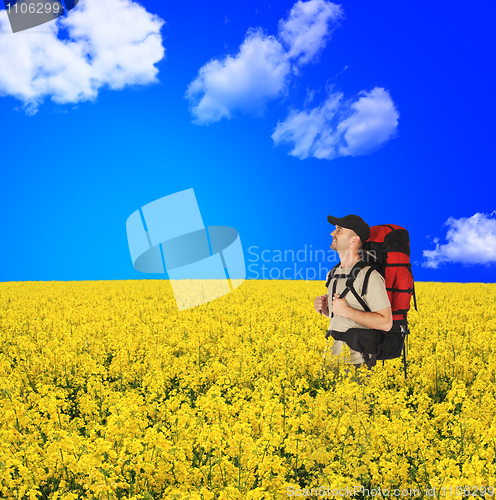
<point>376,297</point>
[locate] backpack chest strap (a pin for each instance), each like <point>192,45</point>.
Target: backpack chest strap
<point>350,278</point>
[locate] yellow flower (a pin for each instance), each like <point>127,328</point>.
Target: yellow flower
<point>107,389</point>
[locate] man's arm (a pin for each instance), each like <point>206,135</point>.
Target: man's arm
<point>379,320</point>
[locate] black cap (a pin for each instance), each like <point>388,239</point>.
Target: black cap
<point>354,223</point>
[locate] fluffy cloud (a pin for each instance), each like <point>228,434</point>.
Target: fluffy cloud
<point>261,69</point>
<point>112,43</point>
<point>470,240</point>
<point>340,129</point>
<point>242,83</point>
<point>308,28</point>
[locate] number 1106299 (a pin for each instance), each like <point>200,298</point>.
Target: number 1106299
<point>34,8</point>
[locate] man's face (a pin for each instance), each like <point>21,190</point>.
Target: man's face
<point>341,238</point>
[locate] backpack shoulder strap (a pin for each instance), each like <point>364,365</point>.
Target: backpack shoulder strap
<point>349,283</point>
<point>366,280</point>
<point>365,307</point>
<point>334,285</point>
<point>361,264</point>
<point>330,274</point>
<point>329,278</point>
<point>351,277</point>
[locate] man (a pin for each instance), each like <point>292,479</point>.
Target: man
<point>350,234</point>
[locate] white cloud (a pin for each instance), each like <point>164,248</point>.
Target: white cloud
<point>308,28</point>
<point>242,83</point>
<point>111,43</point>
<point>470,240</point>
<point>340,129</point>
<point>261,70</point>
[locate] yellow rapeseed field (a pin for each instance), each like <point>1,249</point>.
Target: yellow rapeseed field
<point>107,391</point>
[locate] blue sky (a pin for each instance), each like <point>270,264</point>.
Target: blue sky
<point>276,113</point>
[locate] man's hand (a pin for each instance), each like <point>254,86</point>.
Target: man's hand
<point>320,305</point>
<point>339,306</point>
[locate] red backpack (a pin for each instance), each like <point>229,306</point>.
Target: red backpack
<point>388,251</point>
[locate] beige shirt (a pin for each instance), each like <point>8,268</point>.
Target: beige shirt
<point>376,298</point>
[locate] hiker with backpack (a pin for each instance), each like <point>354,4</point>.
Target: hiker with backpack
<point>350,311</point>
<point>369,294</point>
